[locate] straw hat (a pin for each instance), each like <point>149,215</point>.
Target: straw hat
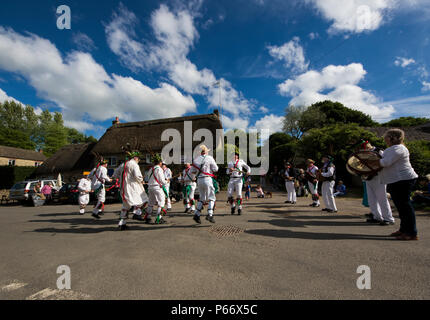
<point>204,149</point>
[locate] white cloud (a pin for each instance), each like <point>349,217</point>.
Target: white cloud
<point>79,85</point>
<point>175,35</point>
<point>4,97</point>
<point>426,86</point>
<point>336,83</point>
<point>291,53</point>
<point>354,16</point>
<point>403,62</point>
<point>263,109</point>
<point>83,42</point>
<point>270,122</point>
<point>314,35</point>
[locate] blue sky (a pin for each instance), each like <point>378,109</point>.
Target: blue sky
<point>144,60</point>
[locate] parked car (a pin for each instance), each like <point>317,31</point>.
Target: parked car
<point>68,194</point>
<point>22,191</point>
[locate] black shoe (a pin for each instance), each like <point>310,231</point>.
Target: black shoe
<point>148,220</point>
<point>233,210</point>
<point>239,211</point>
<point>373,221</point>
<point>210,219</point>
<point>331,211</point>
<point>123,227</point>
<point>186,210</point>
<point>101,213</point>
<point>386,223</point>
<point>287,201</point>
<point>196,218</point>
<point>137,217</point>
<point>95,215</point>
<point>294,202</point>
<point>312,205</point>
<point>369,215</point>
<point>325,209</point>
<point>315,205</point>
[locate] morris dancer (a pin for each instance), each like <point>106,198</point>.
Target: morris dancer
<point>377,195</point>
<point>99,177</point>
<point>311,175</point>
<point>189,188</point>
<point>157,191</point>
<point>237,177</point>
<point>204,167</point>
<point>328,172</point>
<point>290,176</point>
<point>168,176</point>
<point>84,188</point>
<point>133,194</point>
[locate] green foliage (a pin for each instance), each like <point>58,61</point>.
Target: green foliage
<point>406,122</point>
<point>11,175</point>
<point>327,113</point>
<point>291,123</point>
<point>419,156</point>
<point>279,138</point>
<point>21,127</point>
<point>15,138</point>
<point>338,140</point>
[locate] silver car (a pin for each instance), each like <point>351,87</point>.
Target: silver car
<point>21,191</point>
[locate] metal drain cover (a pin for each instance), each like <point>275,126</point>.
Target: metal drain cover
<point>225,231</point>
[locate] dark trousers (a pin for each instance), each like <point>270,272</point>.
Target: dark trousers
<point>401,195</point>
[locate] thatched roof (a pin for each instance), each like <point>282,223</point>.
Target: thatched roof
<point>68,158</point>
<point>148,133</point>
<point>23,154</point>
<point>421,132</point>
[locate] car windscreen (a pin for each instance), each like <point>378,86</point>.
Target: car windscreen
<point>19,185</point>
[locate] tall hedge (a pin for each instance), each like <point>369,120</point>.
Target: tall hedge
<point>11,175</point>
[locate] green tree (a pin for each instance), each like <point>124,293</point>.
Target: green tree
<point>406,122</point>
<point>419,156</point>
<point>291,122</point>
<point>327,112</point>
<point>338,140</point>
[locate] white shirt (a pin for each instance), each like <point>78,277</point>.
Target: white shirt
<point>396,165</point>
<point>239,165</point>
<point>330,171</point>
<point>168,173</point>
<point>100,177</point>
<point>156,172</point>
<point>188,176</point>
<point>84,186</point>
<point>207,164</point>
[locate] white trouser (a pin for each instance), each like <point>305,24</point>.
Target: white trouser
<point>206,194</point>
<point>327,194</point>
<point>314,190</point>
<point>235,185</point>
<point>291,191</point>
<point>378,201</point>
<point>84,199</point>
<point>190,196</point>
<point>169,203</point>
<point>156,197</point>
<point>101,196</point>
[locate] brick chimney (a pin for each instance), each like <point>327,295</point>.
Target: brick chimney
<point>216,112</point>
<point>116,121</point>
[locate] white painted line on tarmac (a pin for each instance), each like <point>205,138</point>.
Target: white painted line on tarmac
<point>55,294</point>
<point>14,285</point>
